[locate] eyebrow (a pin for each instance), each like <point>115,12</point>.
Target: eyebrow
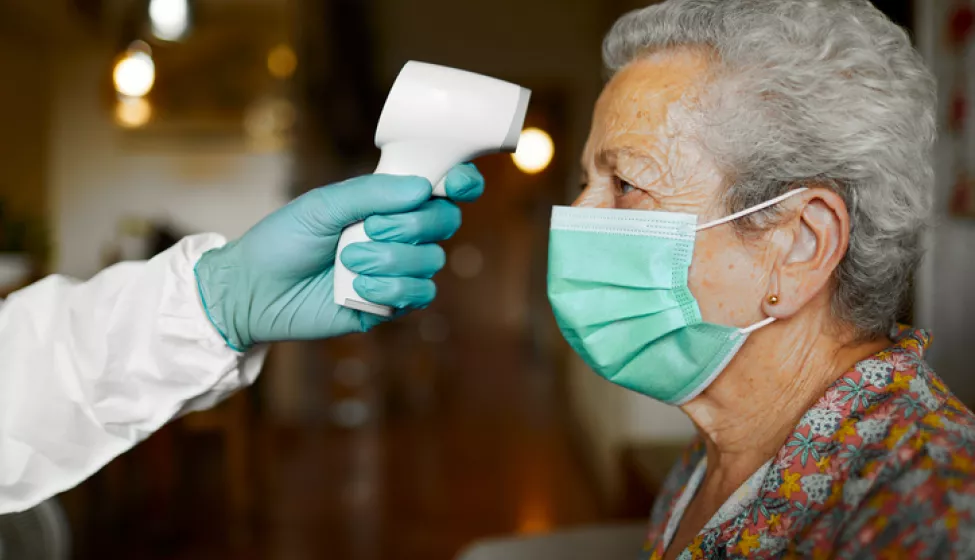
<point>610,157</point>
<point>606,158</point>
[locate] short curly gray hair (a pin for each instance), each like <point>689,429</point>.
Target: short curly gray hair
<point>829,92</point>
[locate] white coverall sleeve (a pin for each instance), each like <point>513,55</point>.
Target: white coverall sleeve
<point>87,370</point>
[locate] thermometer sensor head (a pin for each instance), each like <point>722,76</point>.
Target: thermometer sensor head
<point>436,104</point>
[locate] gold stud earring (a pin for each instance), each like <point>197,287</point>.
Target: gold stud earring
<point>773,299</point>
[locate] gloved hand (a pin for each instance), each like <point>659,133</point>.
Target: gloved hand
<point>276,281</point>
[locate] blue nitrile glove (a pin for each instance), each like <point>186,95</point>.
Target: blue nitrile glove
<point>275,283</point>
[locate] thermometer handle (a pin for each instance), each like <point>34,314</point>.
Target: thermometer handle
<point>345,294</point>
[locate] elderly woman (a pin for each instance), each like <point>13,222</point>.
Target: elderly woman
<point>757,178</point>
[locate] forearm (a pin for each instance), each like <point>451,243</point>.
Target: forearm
<point>87,370</point>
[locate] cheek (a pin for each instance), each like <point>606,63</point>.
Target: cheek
<point>727,280</point>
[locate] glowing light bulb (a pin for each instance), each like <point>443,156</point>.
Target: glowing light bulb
<point>535,151</point>
<point>281,62</point>
<point>133,112</point>
<point>134,74</point>
<point>170,18</point>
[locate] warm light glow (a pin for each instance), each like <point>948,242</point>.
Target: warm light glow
<point>534,512</point>
<point>268,123</point>
<point>170,18</point>
<point>133,112</point>
<point>535,151</point>
<point>281,62</point>
<point>534,523</point>
<point>134,74</point>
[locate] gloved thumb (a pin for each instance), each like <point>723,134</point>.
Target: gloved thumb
<point>337,206</point>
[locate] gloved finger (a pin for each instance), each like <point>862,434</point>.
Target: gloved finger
<point>368,321</point>
<point>464,183</point>
<point>328,210</point>
<point>394,259</point>
<point>400,293</point>
<point>436,220</point>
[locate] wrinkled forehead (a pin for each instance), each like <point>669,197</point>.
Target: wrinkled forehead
<point>639,97</point>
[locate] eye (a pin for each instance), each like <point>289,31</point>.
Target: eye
<point>622,187</point>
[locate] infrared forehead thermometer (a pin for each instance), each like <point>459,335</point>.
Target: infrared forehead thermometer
<point>434,118</point>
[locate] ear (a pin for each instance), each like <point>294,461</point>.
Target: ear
<point>808,249</point>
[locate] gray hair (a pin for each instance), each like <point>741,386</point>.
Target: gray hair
<point>828,92</point>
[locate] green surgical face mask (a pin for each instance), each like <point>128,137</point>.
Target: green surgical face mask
<point>617,282</point>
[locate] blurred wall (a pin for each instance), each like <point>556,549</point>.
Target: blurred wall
<point>945,298</point>
<point>98,178</point>
<point>24,89</point>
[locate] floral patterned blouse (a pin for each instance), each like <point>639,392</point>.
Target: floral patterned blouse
<point>883,466</point>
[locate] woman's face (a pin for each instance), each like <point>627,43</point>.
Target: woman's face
<point>642,154</point>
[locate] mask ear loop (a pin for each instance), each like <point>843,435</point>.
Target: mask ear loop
<point>751,210</point>
<point>763,323</point>
<point>768,320</point>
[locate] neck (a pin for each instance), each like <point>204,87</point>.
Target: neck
<point>746,415</point>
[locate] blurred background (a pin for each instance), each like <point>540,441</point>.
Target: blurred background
<point>126,124</point>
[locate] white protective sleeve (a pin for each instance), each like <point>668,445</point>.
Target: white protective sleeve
<point>87,370</point>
